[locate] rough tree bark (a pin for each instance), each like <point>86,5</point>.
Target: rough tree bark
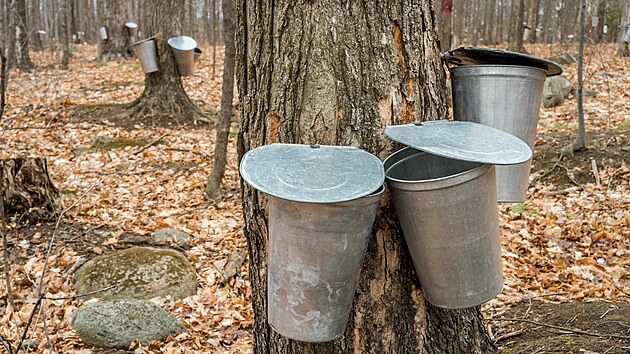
<point>28,189</point>
<point>118,42</point>
<point>67,33</point>
<point>20,57</point>
<point>446,25</point>
<point>622,46</point>
<point>338,73</point>
<point>213,187</point>
<point>515,40</point>
<point>164,94</point>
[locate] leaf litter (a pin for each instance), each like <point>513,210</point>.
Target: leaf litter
<point>568,242</point>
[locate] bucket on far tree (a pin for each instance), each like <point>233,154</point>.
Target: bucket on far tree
<point>102,32</point>
<point>197,54</point>
<point>502,90</point>
<point>322,204</point>
<point>146,52</point>
<point>184,50</point>
<point>444,191</point>
<point>132,29</point>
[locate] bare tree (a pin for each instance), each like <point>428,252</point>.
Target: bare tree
<point>19,56</point>
<point>118,42</point>
<point>213,187</point>
<point>307,73</point>
<point>515,39</point>
<point>624,33</point>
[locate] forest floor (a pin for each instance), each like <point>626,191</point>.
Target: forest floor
<point>566,250</point>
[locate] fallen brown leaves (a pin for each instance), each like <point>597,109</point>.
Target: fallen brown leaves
<point>574,244</point>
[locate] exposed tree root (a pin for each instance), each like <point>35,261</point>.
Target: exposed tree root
<point>158,108</point>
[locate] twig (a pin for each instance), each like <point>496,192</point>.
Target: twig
<point>5,252</point>
<point>82,295</point>
<point>612,177</point>
<point>150,144</point>
<point>595,172</point>
<point>40,287</point>
<point>6,345</point>
<point>123,173</point>
<point>508,335</point>
<point>48,341</point>
<point>567,329</point>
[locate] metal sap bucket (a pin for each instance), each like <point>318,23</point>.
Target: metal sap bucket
<point>198,53</point>
<point>313,277</point>
<point>132,28</point>
<point>102,32</point>
<point>448,212</point>
<point>146,52</point>
<point>444,192</point>
<point>322,204</point>
<point>184,51</point>
<point>506,97</point>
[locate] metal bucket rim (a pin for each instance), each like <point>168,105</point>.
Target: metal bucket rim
<point>440,182</point>
<point>131,25</point>
<point>144,40</point>
<point>364,200</point>
<point>498,66</point>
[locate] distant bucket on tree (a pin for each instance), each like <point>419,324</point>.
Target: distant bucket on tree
<point>147,54</point>
<point>197,54</point>
<point>184,51</point>
<point>102,32</point>
<point>132,28</point>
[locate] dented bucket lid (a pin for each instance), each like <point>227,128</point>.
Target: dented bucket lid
<point>492,56</point>
<point>182,43</point>
<point>312,173</point>
<point>131,25</point>
<point>464,141</point>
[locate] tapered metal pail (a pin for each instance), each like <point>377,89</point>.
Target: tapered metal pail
<point>146,52</point>
<point>184,51</point>
<point>506,97</point>
<point>102,32</point>
<point>448,213</point>
<point>197,54</point>
<point>315,257</point>
<point>132,28</point>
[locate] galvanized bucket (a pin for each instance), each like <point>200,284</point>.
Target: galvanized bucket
<point>448,213</point>
<point>322,203</point>
<point>184,51</point>
<point>506,97</point>
<point>315,257</point>
<point>102,32</point>
<point>146,52</point>
<point>197,54</point>
<point>132,28</point>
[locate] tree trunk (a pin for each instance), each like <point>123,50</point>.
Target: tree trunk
<point>622,46</point>
<point>28,189</point>
<point>515,40</point>
<point>118,42</point>
<point>164,94</point>
<point>21,58</point>
<point>67,33</point>
<point>446,25</point>
<point>337,74</point>
<point>4,76</point>
<point>213,187</point>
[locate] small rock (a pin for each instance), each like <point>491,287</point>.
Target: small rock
<point>555,91</point>
<point>138,273</point>
<point>589,93</point>
<point>566,58</point>
<point>170,234</point>
<point>116,324</point>
<point>603,74</point>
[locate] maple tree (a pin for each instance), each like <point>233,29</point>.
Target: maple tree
<point>118,42</point>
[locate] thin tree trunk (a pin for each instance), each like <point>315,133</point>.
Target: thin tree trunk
<point>22,59</point>
<point>622,45</point>
<point>515,41</point>
<point>306,74</point>
<point>4,77</point>
<point>118,42</point>
<point>446,25</point>
<point>67,34</point>
<point>213,187</point>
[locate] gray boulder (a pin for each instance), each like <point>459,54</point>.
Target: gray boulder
<point>116,324</point>
<point>566,58</point>
<point>556,90</point>
<point>138,273</point>
<point>170,234</point>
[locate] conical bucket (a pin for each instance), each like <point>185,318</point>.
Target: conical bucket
<point>184,51</point>
<point>102,32</point>
<point>132,28</point>
<point>146,52</point>
<point>197,54</point>
<point>448,213</point>
<point>313,277</point>
<point>506,97</point>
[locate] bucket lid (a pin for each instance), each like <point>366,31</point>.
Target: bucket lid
<point>493,56</point>
<point>131,25</point>
<point>182,43</point>
<point>465,141</point>
<point>312,173</point>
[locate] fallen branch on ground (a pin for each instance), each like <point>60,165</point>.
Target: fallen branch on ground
<point>567,329</point>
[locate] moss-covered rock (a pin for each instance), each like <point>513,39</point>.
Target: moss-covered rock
<point>138,273</point>
<point>116,324</point>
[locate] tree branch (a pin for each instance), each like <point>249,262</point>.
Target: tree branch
<point>566,329</point>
